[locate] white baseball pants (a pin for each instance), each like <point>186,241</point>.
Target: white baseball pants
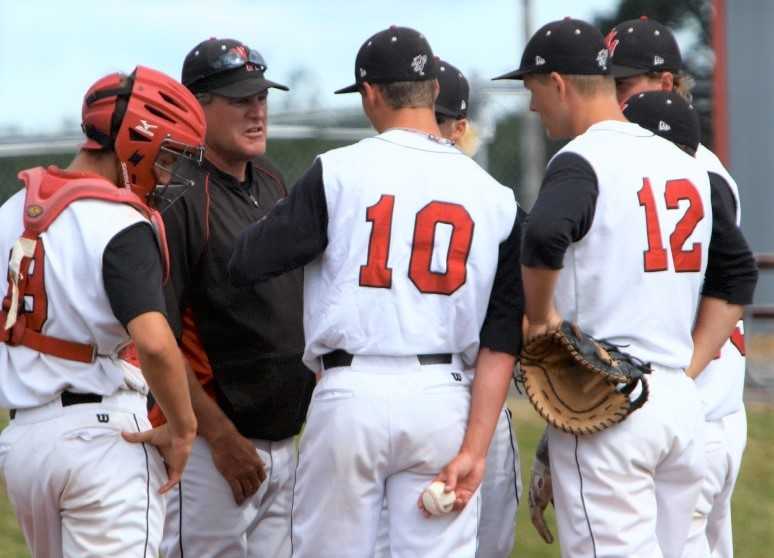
<point>204,520</point>
<point>78,489</point>
<point>500,495</point>
<point>381,429</point>
<point>631,490</point>
<point>711,535</point>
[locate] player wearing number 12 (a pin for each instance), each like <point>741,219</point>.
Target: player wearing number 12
<point>411,253</point>
<point>622,241</point>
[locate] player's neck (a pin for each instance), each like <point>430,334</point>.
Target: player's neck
<point>235,167</point>
<point>594,110</point>
<point>102,164</point>
<point>419,119</point>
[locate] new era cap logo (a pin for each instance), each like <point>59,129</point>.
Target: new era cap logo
<point>657,60</point>
<point>463,104</point>
<point>539,60</point>
<point>362,72</point>
<point>663,126</point>
<point>418,64</point>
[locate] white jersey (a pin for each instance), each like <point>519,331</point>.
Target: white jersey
<point>78,306</point>
<point>721,384</point>
<point>414,228</point>
<point>635,277</point>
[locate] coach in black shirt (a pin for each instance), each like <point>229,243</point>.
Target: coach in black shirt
<point>249,388</point>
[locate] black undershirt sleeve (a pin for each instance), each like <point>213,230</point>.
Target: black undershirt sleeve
<point>502,325</point>
<point>731,273</point>
<point>563,211</point>
<point>132,273</point>
<point>293,234</point>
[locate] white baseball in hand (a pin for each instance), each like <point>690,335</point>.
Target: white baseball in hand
<point>436,501</point>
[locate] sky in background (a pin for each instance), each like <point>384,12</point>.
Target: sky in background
<point>52,50</point>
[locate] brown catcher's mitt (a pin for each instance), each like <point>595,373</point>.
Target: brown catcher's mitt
<point>580,384</point>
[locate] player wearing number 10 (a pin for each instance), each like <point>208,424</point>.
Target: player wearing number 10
<point>623,241</point>
<point>411,253</point>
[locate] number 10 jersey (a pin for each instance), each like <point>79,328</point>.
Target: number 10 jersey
<point>415,233</point>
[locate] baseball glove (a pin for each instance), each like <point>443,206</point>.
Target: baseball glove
<point>580,384</point>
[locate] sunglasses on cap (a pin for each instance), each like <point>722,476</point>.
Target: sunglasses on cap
<point>233,58</point>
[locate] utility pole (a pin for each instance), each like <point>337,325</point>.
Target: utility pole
<point>533,152</point>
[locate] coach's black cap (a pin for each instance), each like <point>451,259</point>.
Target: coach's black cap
<point>566,46</point>
<point>395,54</point>
<point>453,98</point>
<point>640,46</point>
<point>666,114</point>
<point>226,67</point>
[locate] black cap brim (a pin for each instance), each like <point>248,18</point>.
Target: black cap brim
<point>354,88</point>
<point>626,71</point>
<point>246,88</point>
<point>444,111</point>
<point>515,74</point>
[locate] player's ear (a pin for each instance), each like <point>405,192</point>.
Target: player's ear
<point>558,84</point>
<point>667,81</point>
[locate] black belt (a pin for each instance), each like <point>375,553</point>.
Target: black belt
<point>340,357</point>
<point>69,398</point>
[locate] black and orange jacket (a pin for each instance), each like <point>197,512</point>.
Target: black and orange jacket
<point>244,344</point>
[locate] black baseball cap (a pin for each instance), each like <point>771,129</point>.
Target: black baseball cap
<point>666,114</point>
<point>395,54</point>
<point>226,67</point>
<point>566,46</point>
<point>453,98</point>
<point>640,46</point>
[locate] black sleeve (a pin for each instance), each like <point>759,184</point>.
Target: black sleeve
<point>563,211</point>
<point>502,325</point>
<point>132,273</point>
<point>731,273</point>
<point>293,234</point>
<point>186,227</point>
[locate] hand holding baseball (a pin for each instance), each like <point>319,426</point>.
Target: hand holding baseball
<point>461,477</point>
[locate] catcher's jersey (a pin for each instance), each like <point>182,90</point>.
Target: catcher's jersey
<point>78,308</point>
<point>721,384</point>
<point>635,277</point>
<point>414,233</point>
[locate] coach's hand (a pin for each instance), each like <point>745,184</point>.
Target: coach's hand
<point>174,449</point>
<point>540,495</point>
<point>463,475</point>
<point>237,460</point>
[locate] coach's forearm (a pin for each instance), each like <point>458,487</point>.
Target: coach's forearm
<point>715,321</point>
<point>539,285</point>
<point>212,421</point>
<point>494,371</point>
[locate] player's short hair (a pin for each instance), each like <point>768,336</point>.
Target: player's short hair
<point>585,85</point>
<point>408,94</point>
<point>588,86</point>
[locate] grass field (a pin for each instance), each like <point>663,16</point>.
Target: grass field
<point>753,504</point>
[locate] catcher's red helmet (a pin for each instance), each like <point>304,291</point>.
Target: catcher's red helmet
<point>138,115</point>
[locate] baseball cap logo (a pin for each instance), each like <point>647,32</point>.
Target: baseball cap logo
<point>418,64</point>
<point>362,72</point>
<point>539,60</point>
<point>657,60</point>
<point>611,42</point>
<point>663,126</point>
<point>602,59</point>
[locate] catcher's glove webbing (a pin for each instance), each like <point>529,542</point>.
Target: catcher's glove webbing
<point>580,384</point>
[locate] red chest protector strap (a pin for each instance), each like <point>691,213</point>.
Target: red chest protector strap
<point>47,196</point>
